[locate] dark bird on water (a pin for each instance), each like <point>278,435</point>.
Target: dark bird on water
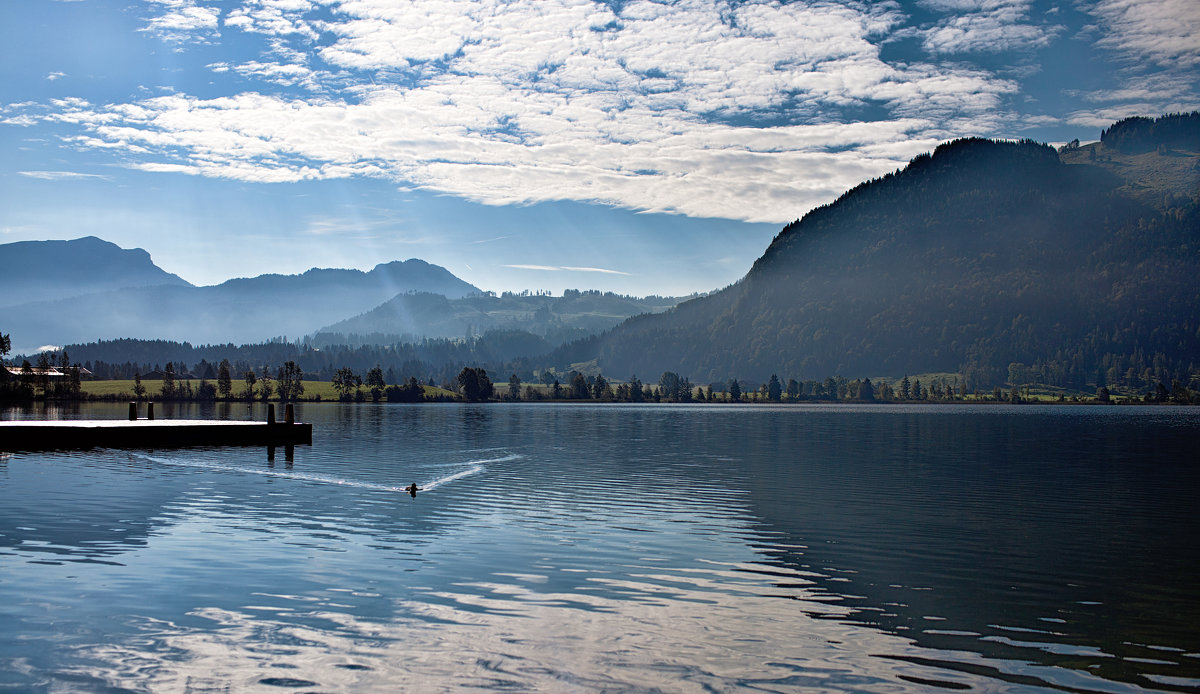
<point>412,489</point>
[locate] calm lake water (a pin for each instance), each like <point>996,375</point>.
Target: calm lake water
<point>581,548</point>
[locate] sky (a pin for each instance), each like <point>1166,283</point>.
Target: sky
<point>638,146</point>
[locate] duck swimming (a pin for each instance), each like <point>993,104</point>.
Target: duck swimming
<point>412,489</point>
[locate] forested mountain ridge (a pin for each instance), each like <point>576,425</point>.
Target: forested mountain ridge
<point>558,319</point>
<point>33,271</point>
<point>990,259</point>
<point>389,278</point>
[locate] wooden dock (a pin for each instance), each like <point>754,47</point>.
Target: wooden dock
<point>150,433</point>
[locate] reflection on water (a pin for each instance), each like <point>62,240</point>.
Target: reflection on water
<point>615,547</point>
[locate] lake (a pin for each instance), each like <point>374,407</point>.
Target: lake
<point>614,547</point>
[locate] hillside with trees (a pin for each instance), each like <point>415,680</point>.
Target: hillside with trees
<point>557,319</point>
<point>239,310</point>
<point>984,258</point>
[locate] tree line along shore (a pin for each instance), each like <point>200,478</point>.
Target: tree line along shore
<point>56,378</point>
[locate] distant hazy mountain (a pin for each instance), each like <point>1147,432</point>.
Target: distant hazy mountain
<point>32,271</point>
<point>240,310</point>
<point>574,314</point>
<point>995,260</point>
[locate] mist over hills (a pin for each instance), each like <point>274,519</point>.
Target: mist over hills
<point>557,319</point>
<point>138,300</point>
<point>36,271</point>
<point>123,295</point>
<point>983,258</point>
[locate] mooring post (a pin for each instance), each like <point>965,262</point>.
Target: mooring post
<point>289,454</point>
<point>133,411</point>
<point>149,410</point>
<point>289,413</point>
<point>270,456</point>
<point>270,413</point>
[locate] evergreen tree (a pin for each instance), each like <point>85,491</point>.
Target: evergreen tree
<point>579,387</point>
<point>468,383</point>
<point>225,379</point>
<point>249,379</point>
<point>168,382</point>
<point>735,390</point>
<point>74,383</point>
<point>668,385</point>
<point>774,389</point>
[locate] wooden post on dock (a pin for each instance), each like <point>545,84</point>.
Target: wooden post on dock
<point>133,411</point>
<point>270,413</point>
<point>289,413</point>
<point>149,410</point>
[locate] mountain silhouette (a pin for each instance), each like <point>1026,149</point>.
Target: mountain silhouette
<point>983,258</point>
<point>121,293</point>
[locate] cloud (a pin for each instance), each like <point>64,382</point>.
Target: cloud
<point>546,268</point>
<point>1159,43</point>
<point>984,26</point>
<point>274,18</point>
<point>23,120</point>
<point>285,74</point>
<point>55,75</point>
<point>183,20</point>
<point>596,269</point>
<point>1164,88</point>
<point>1106,116</point>
<point>648,107</point>
<point>1165,32</point>
<point>61,175</point>
<point>567,268</point>
<point>495,238</point>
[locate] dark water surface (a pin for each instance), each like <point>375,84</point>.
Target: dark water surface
<point>581,548</point>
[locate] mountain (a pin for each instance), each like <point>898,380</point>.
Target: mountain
<point>239,310</point>
<point>573,315</point>
<point>999,261</point>
<point>34,271</point>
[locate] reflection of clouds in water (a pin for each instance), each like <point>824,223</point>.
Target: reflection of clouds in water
<point>672,630</point>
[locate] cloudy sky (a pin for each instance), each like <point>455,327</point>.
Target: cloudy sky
<point>647,147</point>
